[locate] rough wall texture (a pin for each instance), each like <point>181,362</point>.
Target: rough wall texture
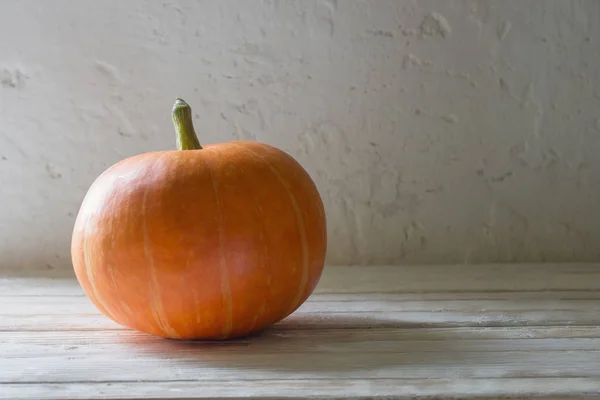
<point>437,131</point>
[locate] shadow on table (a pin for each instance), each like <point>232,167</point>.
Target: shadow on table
<point>306,344</point>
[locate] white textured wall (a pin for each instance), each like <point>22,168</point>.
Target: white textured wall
<point>437,131</point>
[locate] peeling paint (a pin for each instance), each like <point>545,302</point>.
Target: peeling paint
<point>450,118</point>
<point>503,29</point>
<point>12,78</point>
<point>52,172</point>
<point>435,24</point>
<point>108,70</point>
<point>410,60</point>
<point>382,33</point>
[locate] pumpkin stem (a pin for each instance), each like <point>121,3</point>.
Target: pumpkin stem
<point>184,127</point>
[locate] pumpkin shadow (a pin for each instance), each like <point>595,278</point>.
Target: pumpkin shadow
<point>310,346</point>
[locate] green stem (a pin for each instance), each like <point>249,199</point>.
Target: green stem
<point>184,127</point>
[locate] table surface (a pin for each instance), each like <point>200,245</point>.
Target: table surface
<point>382,331</point>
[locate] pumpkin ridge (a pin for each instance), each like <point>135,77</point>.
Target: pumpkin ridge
<point>301,227</point>
<point>156,306</point>
<point>265,259</point>
<point>110,270</point>
<point>89,272</point>
<point>224,273</point>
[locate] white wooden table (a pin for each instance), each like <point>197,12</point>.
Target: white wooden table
<point>393,332</point>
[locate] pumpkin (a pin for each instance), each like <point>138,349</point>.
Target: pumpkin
<point>203,242</point>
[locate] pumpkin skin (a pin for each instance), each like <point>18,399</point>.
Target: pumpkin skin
<point>215,243</point>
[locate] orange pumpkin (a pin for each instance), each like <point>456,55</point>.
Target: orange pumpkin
<point>210,242</point>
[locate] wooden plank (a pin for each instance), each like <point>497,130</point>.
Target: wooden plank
<point>81,305</point>
<point>461,278</point>
<point>203,363</point>
<point>39,286</point>
<point>359,389</point>
<point>68,313</point>
<point>286,331</point>
<point>406,320</point>
<point>429,296</point>
<point>386,279</point>
<point>58,305</point>
<point>77,344</point>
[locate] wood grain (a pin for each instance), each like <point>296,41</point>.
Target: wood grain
<point>392,332</point>
<point>367,389</point>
